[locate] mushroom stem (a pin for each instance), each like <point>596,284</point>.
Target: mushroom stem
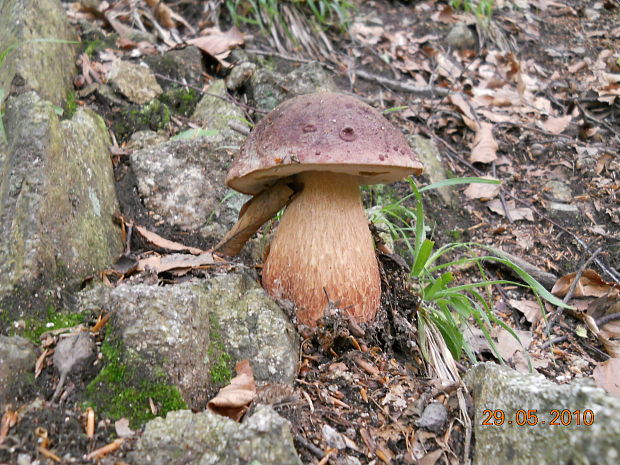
<point>323,251</point>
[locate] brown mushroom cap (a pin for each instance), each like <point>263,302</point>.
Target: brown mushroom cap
<point>322,132</point>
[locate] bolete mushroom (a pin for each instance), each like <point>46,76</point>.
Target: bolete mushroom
<point>323,251</point>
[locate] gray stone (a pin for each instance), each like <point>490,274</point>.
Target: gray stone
<point>428,153</point>
<point>17,356</point>
<point>188,329</point>
<point>215,113</point>
<point>57,199</point>
<point>40,62</point>
<point>143,139</point>
<point>208,439</point>
<point>180,67</point>
<point>333,438</point>
<point>559,191</point>
<point>135,82</point>
<point>498,388</point>
<point>268,88</point>
<point>240,74</point>
<point>433,417</point>
<point>183,182</point>
<point>461,36</point>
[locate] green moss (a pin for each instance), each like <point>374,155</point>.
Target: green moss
<point>221,362</point>
<point>181,101</point>
<point>55,319</point>
<point>154,115</point>
<point>122,390</point>
<point>70,105</point>
<point>93,46</point>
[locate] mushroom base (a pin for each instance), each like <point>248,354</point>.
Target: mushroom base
<point>323,252</point>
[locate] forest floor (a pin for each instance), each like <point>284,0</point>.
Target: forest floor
<point>530,96</point>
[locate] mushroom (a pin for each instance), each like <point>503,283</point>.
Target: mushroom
<point>323,252</point>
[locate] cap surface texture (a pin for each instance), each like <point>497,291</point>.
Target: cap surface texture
<point>322,132</point>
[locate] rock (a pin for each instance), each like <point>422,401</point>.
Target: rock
<point>461,36</point>
<point>143,139</point>
<point>180,67</point>
<point>497,388</point>
<point>215,113</point>
<point>267,88</point>
<point>17,356</point>
<point>240,74</point>
<point>183,182</point>
<point>333,438</point>
<point>135,82</point>
<point>558,191</point>
<point>433,417</point>
<point>45,67</point>
<point>206,438</point>
<point>57,203</point>
<point>428,153</point>
<point>195,332</point>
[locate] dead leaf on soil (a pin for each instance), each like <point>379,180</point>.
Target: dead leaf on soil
<point>483,192</point>
<point>606,376</point>
<point>234,400</point>
<point>590,285</point>
<point>529,308</point>
<point>218,44</point>
<point>608,304</point>
<point>484,149</point>
<point>555,125</point>
<point>178,261</point>
<point>521,213</point>
<point>122,428</point>
<point>158,241</point>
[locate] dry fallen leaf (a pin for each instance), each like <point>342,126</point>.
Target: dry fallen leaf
<point>177,261</point>
<point>555,125</point>
<point>158,241</point>
<point>484,149</point>
<point>590,285</point>
<point>606,376</point>
<point>529,308</point>
<point>521,213</point>
<point>481,191</point>
<point>234,400</point>
<point>215,42</point>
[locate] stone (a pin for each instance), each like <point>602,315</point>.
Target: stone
<point>180,67</point>
<point>240,74</point>
<point>461,36</point>
<point>17,356</point>
<point>500,389</point>
<point>135,82</point>
<point>57,203</point>
<point>206,438</point>
<point>194,332</point>
<point>558,191</point>
<point>183,182</point>
<point>268,88</point>
<point>213,112</point>
<point>44,66</point>
<point>433,417</point>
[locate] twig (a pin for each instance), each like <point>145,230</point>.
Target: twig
<point>425,91</point>
<point>582,268</point>
<point>289,58</point>
<point>308,445</point>
<point>600,322</point>
<point>591,117</point>
<point>573,286</point>
<point>502,198</point>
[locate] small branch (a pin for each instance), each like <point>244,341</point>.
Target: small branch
<point>426,91</point>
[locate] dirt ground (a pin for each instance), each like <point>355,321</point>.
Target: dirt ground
<point>533,101</point>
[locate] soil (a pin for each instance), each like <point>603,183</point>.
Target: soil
<point>373,385</point>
